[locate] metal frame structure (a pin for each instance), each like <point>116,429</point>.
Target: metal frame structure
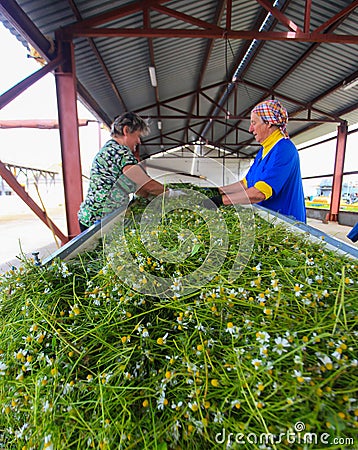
<point>21,192</point>
<point>218,95</point>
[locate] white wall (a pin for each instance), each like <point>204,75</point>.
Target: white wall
<point>199,170</point>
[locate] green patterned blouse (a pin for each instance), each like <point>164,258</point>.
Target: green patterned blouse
<point>109,187</point>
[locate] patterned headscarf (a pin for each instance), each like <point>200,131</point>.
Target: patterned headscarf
<point>271,111</point>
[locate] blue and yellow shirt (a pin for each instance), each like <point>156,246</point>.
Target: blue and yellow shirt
<point>276,173</point>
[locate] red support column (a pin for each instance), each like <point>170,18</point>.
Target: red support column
<point>70,144</point>
<point>338,172</point>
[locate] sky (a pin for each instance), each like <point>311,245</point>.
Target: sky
<point>41,148</point>
<point>34,147</point>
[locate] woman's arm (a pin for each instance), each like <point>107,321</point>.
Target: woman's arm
<point>145,184</point>
<point>231,188</point>
<point>243,196</point>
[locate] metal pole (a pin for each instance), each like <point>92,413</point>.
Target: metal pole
<point>338,172</point>
<point>70,144</point>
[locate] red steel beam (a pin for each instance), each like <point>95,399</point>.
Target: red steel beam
<point>206,55</point>
<point>239,57</point>
<point>228,14</point>
<point>303,57</point>
<point>21,192</point>
<point>338,172</point>
<point>20,87</point>
<point>146,24</point>
<point>232,117</point>
<point>307,23</point>
<point>115,14</point>
<point>278,15</point>
<point>214,33</point>
<point>184,17</point>
<point>275,93</point>
<point>97,54</point>
<point>70,145</point>
<point>43,124</point>
<point>337,17</point>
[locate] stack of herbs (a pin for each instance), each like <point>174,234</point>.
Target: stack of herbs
<point>86,361</point>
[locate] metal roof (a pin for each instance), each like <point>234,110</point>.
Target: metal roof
<point>302,53</point>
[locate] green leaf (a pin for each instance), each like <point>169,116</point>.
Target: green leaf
<point>291,263</point>
<point>162,446</point>
<point>195,249</point>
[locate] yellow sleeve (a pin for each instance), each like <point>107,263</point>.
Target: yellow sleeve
<point>265,188</point>
<point>244,182</point>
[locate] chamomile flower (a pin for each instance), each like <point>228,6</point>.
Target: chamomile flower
<point>257,268</point>
<point>47,406</point>
<point>232,293</point>
<point>145,333</point>
<point>232,329</point>
<point>177,285</point>
<point>218,417</point>
<point>235,404</point>
<point>181,237</point>
<point>337,354</point>
<point>264,351</point>
<point>162,340</point>
<point>177,406</point>
<point>48,443</point>
<point>20,432</point>
<point>298,289</point>
<point>326,360</point>
<point>275,284</point>
<point>200,327</point>
<point>75,310</point>
<point>281,345</point>
<point>257,363</point>
<point>299,377</point>
<point>3,367</point>
<point>319,278</point>
<point>262,337</point>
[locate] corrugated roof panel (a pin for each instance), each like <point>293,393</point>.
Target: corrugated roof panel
<point>179,62</point>
<point>243,15</point>
<point>349,26</point>
<point>321,70</point>
<point>224,53</point>
<point>187,67</point>
<point>200,9</point>
<point>321,11</point>
<point>337,103</point>
<point>222,59</point>
<point>171,68</point>
<point>48,16</point>
<point>93,8</point>
<point>274,60</point>
<point>91,75</point>
<point>9,27</point>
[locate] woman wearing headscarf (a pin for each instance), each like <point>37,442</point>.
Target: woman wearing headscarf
<point>274,179</point>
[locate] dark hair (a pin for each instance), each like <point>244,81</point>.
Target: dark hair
<point>130,120</point>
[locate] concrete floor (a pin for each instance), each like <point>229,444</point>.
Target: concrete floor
<point>24,234</point>
<point>333,229</point>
